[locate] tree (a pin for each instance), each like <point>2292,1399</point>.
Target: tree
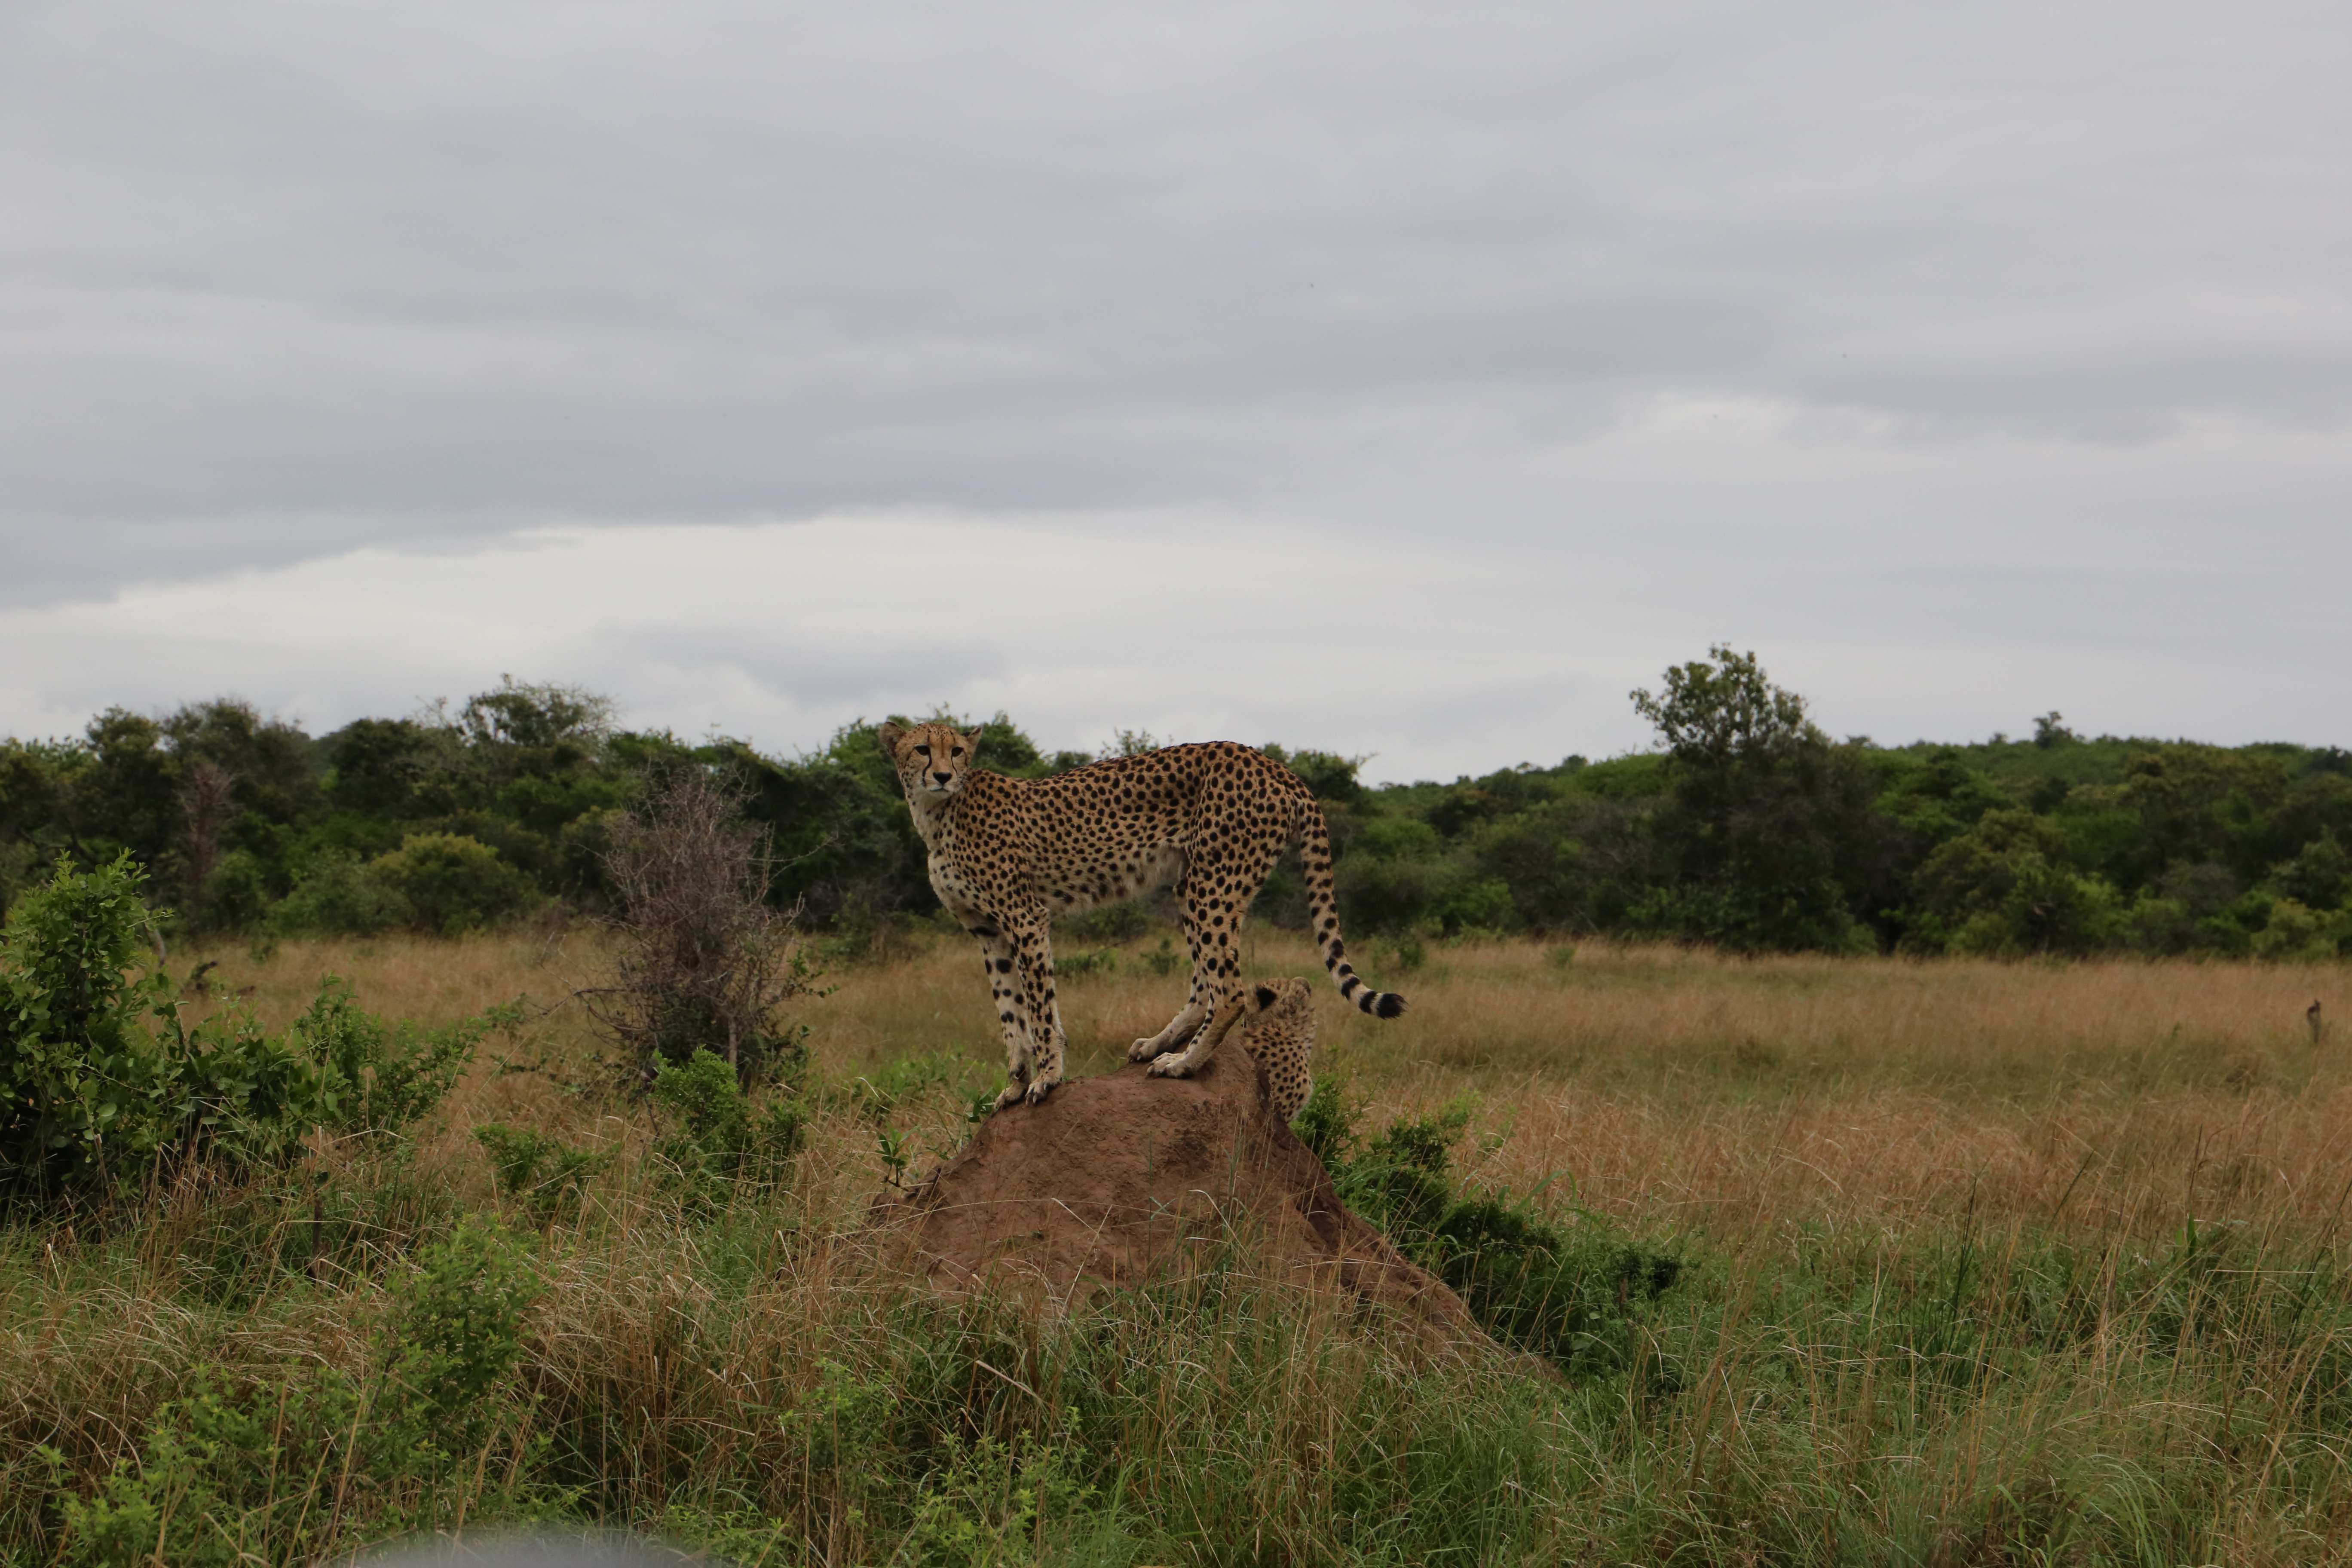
<point>1716,714</point>
<point>1769,835</point>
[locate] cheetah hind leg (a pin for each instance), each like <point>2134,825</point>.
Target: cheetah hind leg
<point>1174,1037</point>
<point>1225,1013</point>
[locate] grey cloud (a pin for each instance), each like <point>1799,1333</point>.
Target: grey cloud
<point>451,261</point>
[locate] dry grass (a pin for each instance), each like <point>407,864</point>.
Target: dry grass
<point>1656,1084</point>
<point>1943,1277</point>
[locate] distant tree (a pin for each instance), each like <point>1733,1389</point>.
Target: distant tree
<point>2319,876</point>
<point>2006,886</point>
<point>1712,715</point>
<point>536,714</point>
<point>1768,835</point>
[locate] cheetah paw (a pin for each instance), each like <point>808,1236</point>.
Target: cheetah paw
<point>1171,1065</point>
<point>1143,1050</point>
<point>1040,1088</point>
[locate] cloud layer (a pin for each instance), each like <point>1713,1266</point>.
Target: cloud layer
<point>2017,329</point>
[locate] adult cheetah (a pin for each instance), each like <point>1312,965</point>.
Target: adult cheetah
<point>1008,855</point>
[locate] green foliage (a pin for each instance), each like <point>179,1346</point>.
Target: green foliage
<point>723,1142</point>
<point>337,897</point>
<point>441,883</point>
<point>375,1076</point>
<point>543,1177</point>
<point>226,1476</point>
<point>101,1077</point>
<point>2005,888</point>
<point>2318,876</point>
<point>1712,715</point>
<point>999,1501</point>
<point>458,1335</point>
<point>2296,933</point>
<point>1576,1295</point>
<point>1749,828</point>
<point>1328,775</point>
<point>451,883</point>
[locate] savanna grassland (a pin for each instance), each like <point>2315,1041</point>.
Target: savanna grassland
<point>1972,1262</point>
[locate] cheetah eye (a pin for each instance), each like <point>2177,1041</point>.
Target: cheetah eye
<point>922,751</point>
<point>955,751</point>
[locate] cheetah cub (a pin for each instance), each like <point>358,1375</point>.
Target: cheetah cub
<point>1278,1032</point>
<point>1008,855</point>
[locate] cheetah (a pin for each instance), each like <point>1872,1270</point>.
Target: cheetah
<point>1279,1035</point>
<point>1008,855</point>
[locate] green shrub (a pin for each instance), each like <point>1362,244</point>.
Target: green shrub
<point>2298,934</point>
<point>375,1076</point>
<point>1572,1298</point>
<point>2320,874</point>
<point>101,1078</point>
<point>227,1475</point>
<point>338,896</point>
<point>722,1141</point>
<point>1082,965</point>
<point>1108,925</point>
<point>544,1176</point>
<point>451,883</point>
<point>458,1335</point>
<point>2005,888</point>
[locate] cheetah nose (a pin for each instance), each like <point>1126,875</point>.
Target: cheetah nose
<point>943,777</point>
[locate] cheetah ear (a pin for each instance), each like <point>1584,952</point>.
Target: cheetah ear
<point>1266,996</point>
<point>887,736</point>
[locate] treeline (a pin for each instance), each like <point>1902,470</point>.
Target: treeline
<point>1747,827</point>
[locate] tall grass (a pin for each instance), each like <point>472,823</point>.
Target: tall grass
<point>1982,1263</point>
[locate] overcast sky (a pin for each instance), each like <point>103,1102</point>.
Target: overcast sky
<point>1409,381</point>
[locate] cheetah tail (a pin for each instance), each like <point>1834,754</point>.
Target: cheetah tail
<point>1323,914</point>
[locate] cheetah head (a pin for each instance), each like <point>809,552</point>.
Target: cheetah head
<point>932,759</point>
<point>1274,995</point>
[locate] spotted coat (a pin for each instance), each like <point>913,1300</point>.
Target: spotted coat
<point>1278,1032</point>
<point>1008,855</point>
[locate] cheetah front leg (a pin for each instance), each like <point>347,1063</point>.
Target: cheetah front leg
<point>1041,1013</point>
<point>996,957</point>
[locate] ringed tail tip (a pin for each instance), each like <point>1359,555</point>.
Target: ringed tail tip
<point>1390,1004</point>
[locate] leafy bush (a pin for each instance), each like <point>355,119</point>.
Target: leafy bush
<point>2005,888</point>
<point>2319,874</point>
<point>457,1336</point>
<point>1572,1298</point>
<point>374,1076</point>
<point>2296,933</point>
<point>1748,827</point>
<point>440,883</point>
<point>410,1447</point>
<point>722,1141</point>
<point>450,883</point>
<point>101,1077</point>
<point>338,896</point>
<point>542,1175</point>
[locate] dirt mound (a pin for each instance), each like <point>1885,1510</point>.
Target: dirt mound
<point>1126,1177</point>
